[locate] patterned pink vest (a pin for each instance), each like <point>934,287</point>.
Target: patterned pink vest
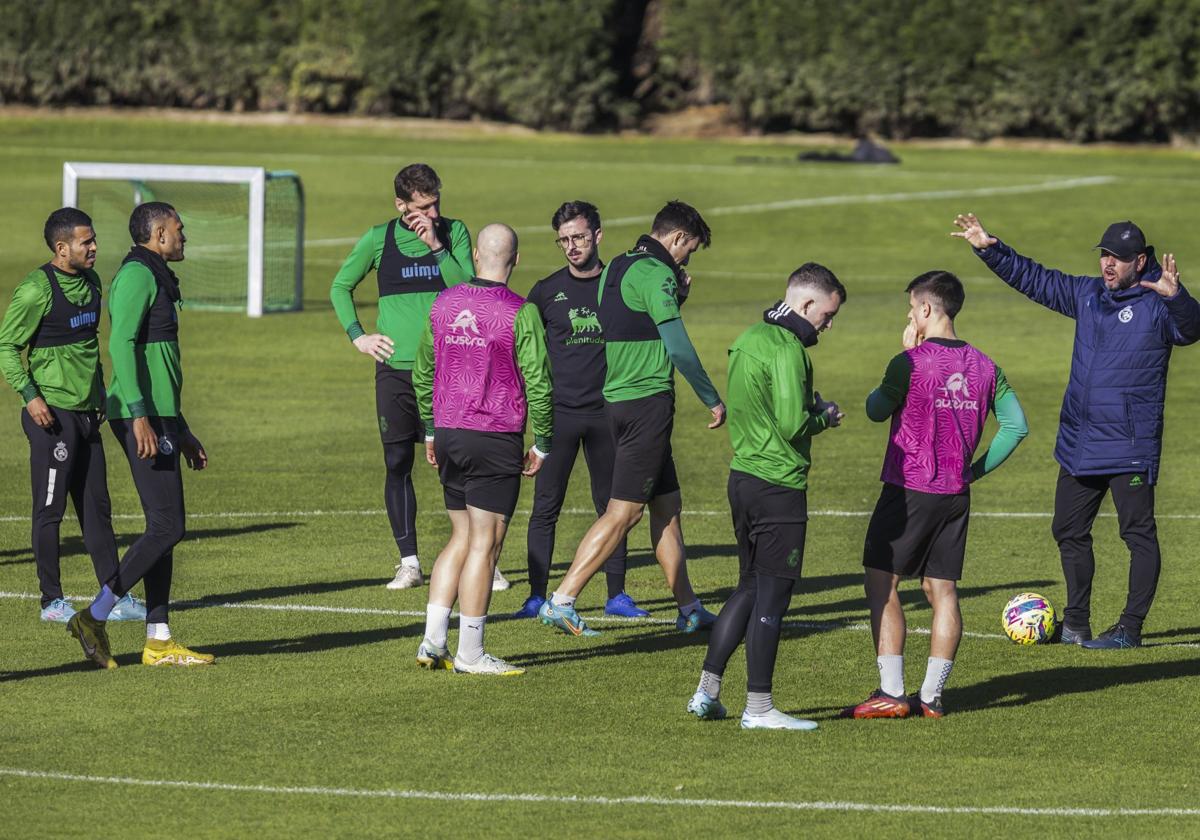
<point>935,433</point>
<point>477,384</point>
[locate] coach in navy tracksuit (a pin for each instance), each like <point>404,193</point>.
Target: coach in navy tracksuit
<point>1111,425</point>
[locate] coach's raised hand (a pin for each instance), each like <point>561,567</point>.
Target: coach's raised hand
<point>1167,284</point>
<point>971,230</point>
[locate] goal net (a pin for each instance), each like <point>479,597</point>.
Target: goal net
<point>244,227</point>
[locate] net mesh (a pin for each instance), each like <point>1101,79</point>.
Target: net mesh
<point>216,223</point>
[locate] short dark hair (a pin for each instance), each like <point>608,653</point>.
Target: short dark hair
<point>679,216</point>
<point>575,210</point>
<point>61,224</point>
<point>143,217</point>
<point>417,178</point>
<point>943,288</point>
<point>816,276</point>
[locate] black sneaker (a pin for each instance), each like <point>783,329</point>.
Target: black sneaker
<point>1116,637</point>
<point>1071,636</point>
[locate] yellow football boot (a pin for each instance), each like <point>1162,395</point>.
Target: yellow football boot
<point>93,638</point>
<point>170,652</point>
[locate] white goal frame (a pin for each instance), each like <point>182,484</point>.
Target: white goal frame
<point>253,176</point>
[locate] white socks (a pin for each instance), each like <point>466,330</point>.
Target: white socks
<point>891,674</point>
<point>470,638</point>
<point>759,702</point>
<point>710,684</point>
<point>437,624</point>
<point>936,674</point>
<point>159,631</point>
<point>562,600</point>
<point>411,562</point>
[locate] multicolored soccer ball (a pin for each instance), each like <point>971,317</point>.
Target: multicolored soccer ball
<point>1029,619</point>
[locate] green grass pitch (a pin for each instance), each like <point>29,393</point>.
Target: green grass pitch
<point>318,721</point>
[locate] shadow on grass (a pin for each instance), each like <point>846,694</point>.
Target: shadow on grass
<point>582,649</point>
<point>73,545</point>
<point>1036,686</point>
<point>911,595</point>
<point>267,592</point>
<point>1172,634</point>
<point>313,643</point>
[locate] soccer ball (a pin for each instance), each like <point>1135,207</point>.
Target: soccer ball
<point>1029,619</point>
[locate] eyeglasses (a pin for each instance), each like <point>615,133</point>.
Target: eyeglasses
<point>574,239</point>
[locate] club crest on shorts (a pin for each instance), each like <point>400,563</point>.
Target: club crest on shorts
<point>165,446</point>
<point>60,451</point>
<point>1125,315</point>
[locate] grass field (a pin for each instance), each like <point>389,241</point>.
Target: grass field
<point>315,719</point>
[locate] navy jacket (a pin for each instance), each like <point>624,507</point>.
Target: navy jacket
<point>1112,411</point>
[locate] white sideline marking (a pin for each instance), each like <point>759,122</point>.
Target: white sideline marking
<point>821,201</point>
<point>318,608</point>
<point>307,514</point>
<point>739,804</point>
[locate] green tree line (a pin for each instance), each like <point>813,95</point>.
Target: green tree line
<point>1076,69</point>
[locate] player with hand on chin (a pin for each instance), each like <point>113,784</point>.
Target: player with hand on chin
<point>937,394</point>
<point>481,369</point>
<point>414,256</point>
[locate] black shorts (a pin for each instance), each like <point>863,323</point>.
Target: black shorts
<point>641,429</point>
<point>918,534</point>
<point>480,469</point>
<point>396,406</point>
<point>770,523</point>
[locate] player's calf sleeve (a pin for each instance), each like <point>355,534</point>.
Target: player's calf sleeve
<point>730,628</point>
<point>399,497</point>
<point>762,634</point>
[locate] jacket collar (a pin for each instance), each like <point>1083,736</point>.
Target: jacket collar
<point>163,275</point>
<point>649,245</point>
<point>781,315</point>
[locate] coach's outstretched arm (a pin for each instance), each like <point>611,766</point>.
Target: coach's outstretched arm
<point>1051,288</point>
<point>1183,325</point>
<point>1012,431</point>
<point>683,356</point>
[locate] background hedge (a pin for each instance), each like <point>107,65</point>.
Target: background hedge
<point>1073,69</point>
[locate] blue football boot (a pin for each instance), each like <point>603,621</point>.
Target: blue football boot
<point>624,606</point>
<point>698,619</point>
<point>565,619</point>
<point>128,609</point>
<point>530,608</point>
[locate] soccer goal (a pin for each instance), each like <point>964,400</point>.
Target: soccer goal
<point>244,227</point>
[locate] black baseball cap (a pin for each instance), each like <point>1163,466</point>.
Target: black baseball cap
<point>1124,240</point>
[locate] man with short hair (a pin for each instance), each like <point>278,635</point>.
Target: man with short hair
<point>54,313</point>
<point>414,256</point>
<point>566,300</point>
<point>773,414</point>
<point>937,393</point>
<point>146,415</point>
<point>480,371</point>
<point>1127,320</point>
<point>644,342</point>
